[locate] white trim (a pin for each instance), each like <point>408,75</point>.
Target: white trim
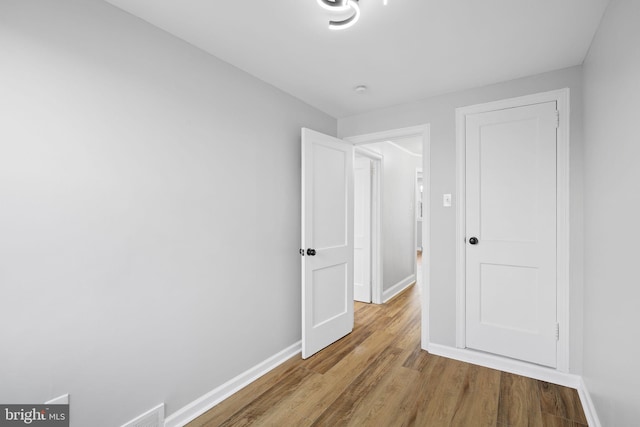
<point>398,287</point>
<point>416,218</point>
<point>461,167</point>
<point>426,235</point>
<point>385,136</point>
<point>561,97</point>
<point>507,365</point>
<point>404,150</point>
<point>423,131</point>
<point>525,369</point>
<point>202,404</point>
<point>154,416</point>
<point>563,225</point>
<point>364,151</point>
<point>587,405</point>
<point>377,177</point>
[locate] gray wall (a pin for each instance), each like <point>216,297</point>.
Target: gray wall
<point>398,215</point>
<point>612,210</point>
<point>150,213</point>
<point>440,113</point>
<point>398,212</point>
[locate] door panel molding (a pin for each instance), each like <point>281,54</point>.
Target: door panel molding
<point>561,97</point>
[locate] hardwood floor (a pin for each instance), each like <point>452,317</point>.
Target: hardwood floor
<point>378,376</point>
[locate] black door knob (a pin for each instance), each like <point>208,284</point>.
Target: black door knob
<point>311,252</point>
<point>473,240</point>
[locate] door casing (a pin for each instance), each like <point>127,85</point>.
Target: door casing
<point>561,97</point>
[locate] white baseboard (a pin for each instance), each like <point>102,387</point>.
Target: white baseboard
<point>153,417</point>
<point>587,405</point>
<point>201,405</point>
<point>525,369</point>
<point>507,365</point>
<point>397,288</point>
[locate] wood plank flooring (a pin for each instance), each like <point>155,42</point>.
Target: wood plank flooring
<point>379,376</point>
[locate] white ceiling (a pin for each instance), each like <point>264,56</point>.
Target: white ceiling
<point>404,52</point>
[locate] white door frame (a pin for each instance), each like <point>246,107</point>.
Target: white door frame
<point>423,131</point>
<point>376,222</point>
<point>415,220</point>
<point>416,208</point>
<point>561,97</point>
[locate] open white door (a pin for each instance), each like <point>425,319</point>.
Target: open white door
<point>362,226</point>
<point>327,240</point>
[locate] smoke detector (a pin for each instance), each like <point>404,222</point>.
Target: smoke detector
<point>361,89</point>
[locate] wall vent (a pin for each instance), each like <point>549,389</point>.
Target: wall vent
<point>152,418</point>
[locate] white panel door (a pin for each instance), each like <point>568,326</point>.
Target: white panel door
<point>327,240</point>
<point>362,230</point>
<point>511,232</point>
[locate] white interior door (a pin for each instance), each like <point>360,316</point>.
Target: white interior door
<point>362,230</point>
<point>511,232</point>
<point>327,240</point>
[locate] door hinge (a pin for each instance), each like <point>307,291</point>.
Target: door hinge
<point>557,331</point>
<point>557,119</point>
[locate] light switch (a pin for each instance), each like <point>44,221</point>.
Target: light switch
<point>446,200</point>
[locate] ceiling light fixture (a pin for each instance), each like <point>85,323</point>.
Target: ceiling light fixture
<point>348,22</point>
<point>348,9</point>
<point>335,5</point>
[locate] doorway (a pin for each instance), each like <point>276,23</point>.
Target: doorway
<point>327,239</point>
<point>389,289</point>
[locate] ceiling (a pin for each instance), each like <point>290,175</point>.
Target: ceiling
<point>403,52</point>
